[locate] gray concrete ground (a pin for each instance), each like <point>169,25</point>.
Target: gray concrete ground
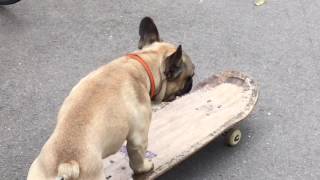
<point>47,46</point>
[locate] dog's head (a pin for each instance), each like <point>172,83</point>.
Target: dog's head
<point>177,66</point>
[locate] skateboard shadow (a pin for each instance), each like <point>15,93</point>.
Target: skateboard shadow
<point>210,160</point>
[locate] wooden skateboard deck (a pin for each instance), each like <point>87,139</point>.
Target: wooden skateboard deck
<point>180,128</point>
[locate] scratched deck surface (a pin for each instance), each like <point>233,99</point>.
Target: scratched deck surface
<point>182,127</point>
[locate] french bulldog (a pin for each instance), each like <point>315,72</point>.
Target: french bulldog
<point>112,105</point>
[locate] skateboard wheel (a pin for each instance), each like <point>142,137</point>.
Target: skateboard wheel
<point>233,137</point>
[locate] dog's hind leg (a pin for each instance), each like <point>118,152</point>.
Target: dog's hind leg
<point>100,176</point>
<point>35,172</point>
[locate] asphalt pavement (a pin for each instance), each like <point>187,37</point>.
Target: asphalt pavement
<point>46,47</point>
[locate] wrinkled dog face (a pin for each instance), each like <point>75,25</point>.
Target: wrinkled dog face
<point>179,69</point>
<point>182,83</point>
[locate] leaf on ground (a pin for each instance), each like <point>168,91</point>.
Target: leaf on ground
<point>259,2</point>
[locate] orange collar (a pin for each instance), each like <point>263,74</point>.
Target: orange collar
<point>148,70</point>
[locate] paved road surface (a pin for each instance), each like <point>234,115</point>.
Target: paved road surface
<point>47,46</point>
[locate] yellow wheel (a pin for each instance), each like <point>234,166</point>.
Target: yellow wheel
<point>233,137</point>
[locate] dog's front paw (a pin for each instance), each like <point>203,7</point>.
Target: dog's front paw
<point>147,166</point>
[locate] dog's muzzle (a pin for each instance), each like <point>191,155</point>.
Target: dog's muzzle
<point>187,87</point>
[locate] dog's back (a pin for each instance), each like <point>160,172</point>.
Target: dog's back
<point>71,147</point>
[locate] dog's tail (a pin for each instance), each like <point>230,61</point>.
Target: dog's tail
<point>70,170</point>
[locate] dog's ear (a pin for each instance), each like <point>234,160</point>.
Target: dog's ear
<point>173,64</point>
<point>148,32</point>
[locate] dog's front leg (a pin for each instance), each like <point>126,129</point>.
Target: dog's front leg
<point>137,144</point>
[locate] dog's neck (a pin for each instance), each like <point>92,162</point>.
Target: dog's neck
<point>154,60</point>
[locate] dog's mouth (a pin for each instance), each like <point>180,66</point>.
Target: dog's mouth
<point>170,98</point>
<point>186,89</point>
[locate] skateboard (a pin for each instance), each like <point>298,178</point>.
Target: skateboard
<point>180,128</point>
